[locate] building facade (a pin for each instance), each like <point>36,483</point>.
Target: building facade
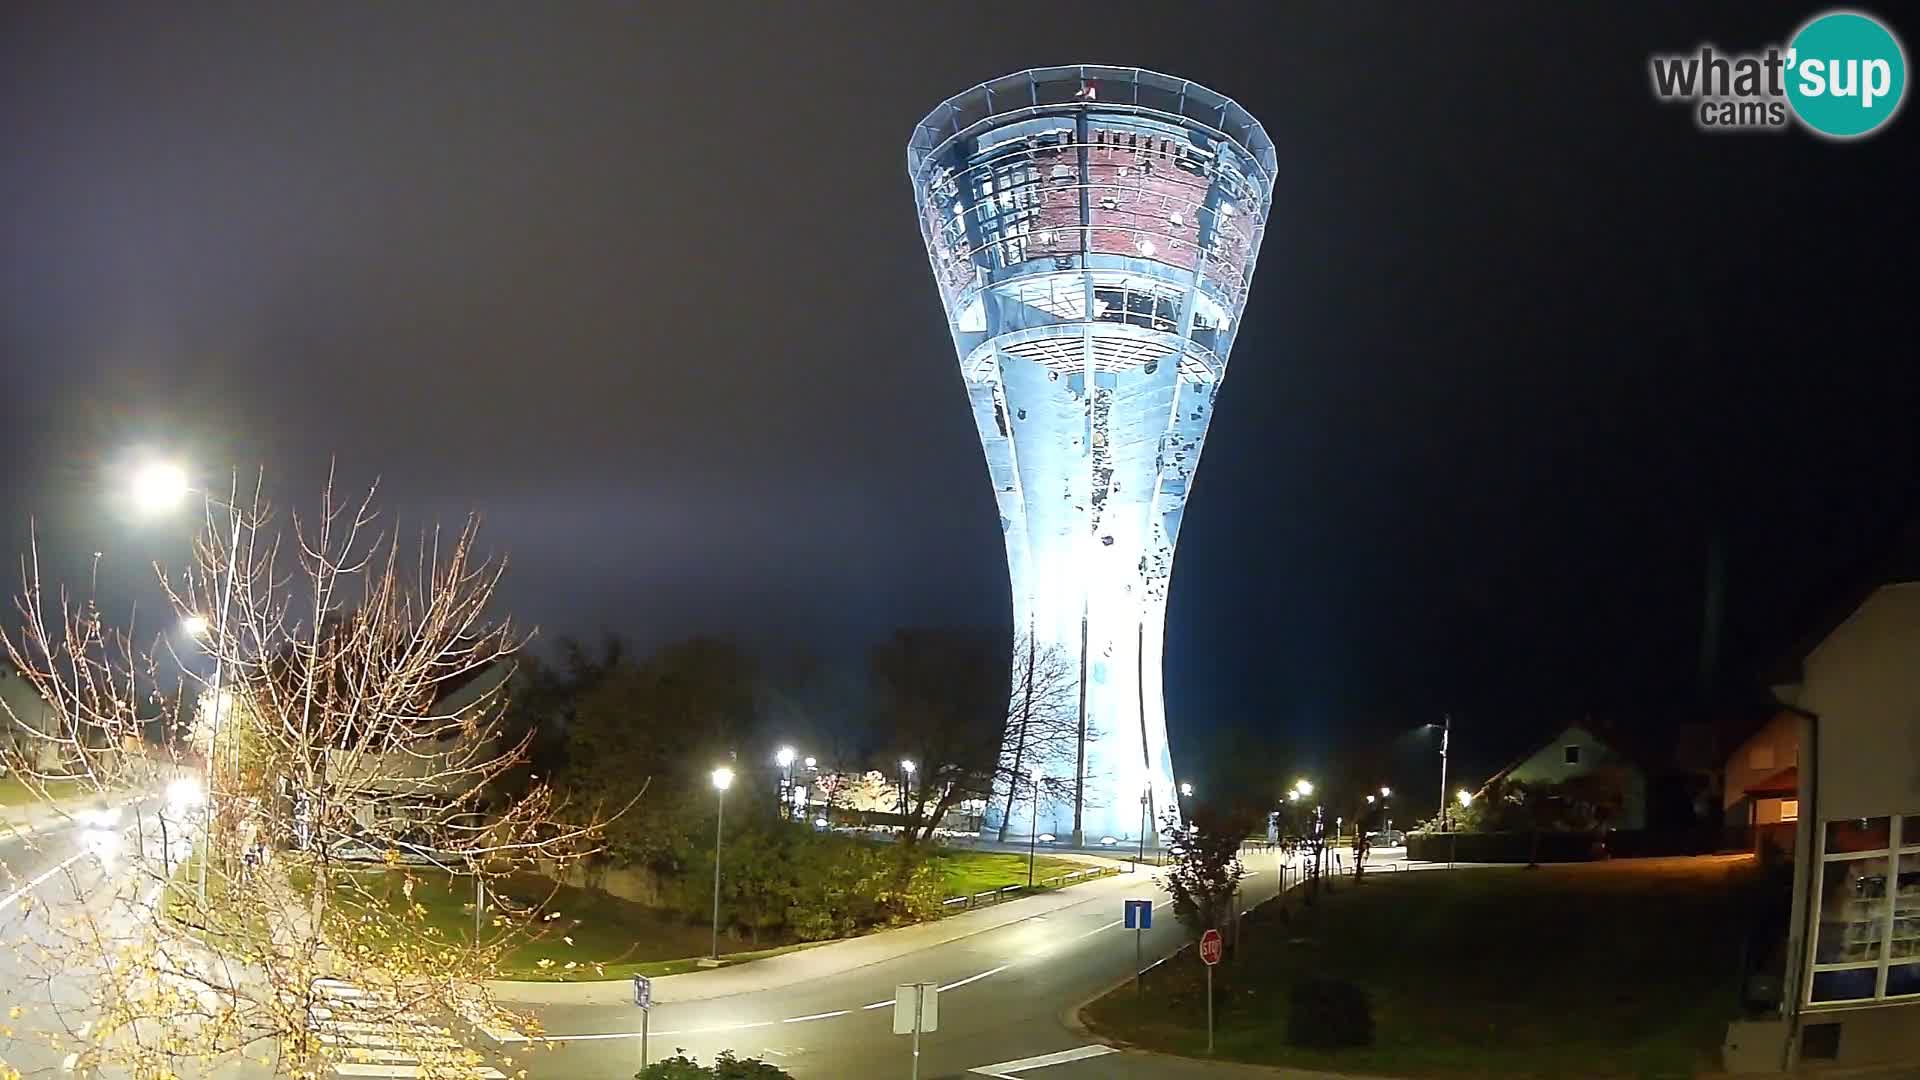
<point>1092,232</point>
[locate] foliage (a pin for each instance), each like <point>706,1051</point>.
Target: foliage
<point>352,701</point>
<point>1328,1014</point>
<point>1204,871</point>
<point>783,881</point>
<point>724,1067</point>
<point>1585,803</point>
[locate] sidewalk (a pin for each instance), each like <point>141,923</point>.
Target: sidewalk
<point>819,962</point>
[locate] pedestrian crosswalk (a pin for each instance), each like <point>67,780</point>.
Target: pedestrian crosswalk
<point>372,1035</point>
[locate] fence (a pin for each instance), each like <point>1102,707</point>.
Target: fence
<point>1554,846</point>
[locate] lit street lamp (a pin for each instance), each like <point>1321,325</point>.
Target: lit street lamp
<point>1386,813</point>
<point>1465,797</point>
<point>1303,787</point>
<point>906,786</point>
<point>722,780</point>
<point>158,487</point>
<point>785,760</point>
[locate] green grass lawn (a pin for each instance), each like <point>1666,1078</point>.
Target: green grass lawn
<point>15,792</point>
<point>967,872</point>
<point>1621,968</point>
<point>611,938</point>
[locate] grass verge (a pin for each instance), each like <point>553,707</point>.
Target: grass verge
<point>1622,968</point>
<point>15,792</point>
<point>964,873</point>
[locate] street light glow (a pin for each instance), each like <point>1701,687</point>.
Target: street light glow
<point>722,778</point>
<point>1386,792</point>
<point>1369,799</point>
<point>1465,797</point>
<point>785,756</point>
<point>811,763</point>
<point>159,486</point>
<point>1303,787</point>
<point>1186,789</point>
<point>907,766</point>
<point>194,626</point>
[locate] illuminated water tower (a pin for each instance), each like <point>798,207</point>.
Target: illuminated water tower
<point>1093,232</point>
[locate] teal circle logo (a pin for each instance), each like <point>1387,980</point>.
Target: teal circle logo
<point>1846,74</point>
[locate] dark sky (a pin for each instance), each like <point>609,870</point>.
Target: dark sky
<point>643,283</point>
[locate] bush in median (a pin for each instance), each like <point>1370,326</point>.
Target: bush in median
<point>724,1067</point>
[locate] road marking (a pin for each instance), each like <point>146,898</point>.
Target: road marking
<point>1007,1068</point>
<point>13,897</point>
<point>818,1016</point>
<point>974,978</point>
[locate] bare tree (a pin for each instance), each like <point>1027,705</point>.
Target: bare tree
<point>1043,724</point>
<point>344,754</point>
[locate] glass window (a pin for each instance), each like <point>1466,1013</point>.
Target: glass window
<point>1789,809</point>
<point>1858,834</point>
<point>1851,984</point>
<point>1573,755</point>
<point>1854,905</point>
<point>1867,942</point>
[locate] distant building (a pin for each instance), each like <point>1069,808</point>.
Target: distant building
<point>1761,787</point>
<point>1575,752</point>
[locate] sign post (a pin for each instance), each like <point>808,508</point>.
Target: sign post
<point>1139,917</point>
<point>1210,955</point>
<point>643,997</point>
<point>916,1008</point>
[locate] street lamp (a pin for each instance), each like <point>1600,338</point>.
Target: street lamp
<point>1186,790</point>
<point>1386,813</point>
<point>1465,797</point>
<point>1033,838</point>
<point>1446,736</point>
<point>784,758</point>
<point>906,786</point>
<point>1303,787</point>
<point>722,780</point>
<point>158,487</point>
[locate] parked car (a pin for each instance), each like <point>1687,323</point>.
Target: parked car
<point>1390,838</point>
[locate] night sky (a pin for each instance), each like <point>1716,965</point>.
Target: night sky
<point>643,283</point>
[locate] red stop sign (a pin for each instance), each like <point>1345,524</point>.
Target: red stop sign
<point>1210,947</point>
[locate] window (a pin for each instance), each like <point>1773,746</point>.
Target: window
<point>1789,809</point>
<point>1866,945</point>
<point>1572,755</point>
<point>1760,758</point>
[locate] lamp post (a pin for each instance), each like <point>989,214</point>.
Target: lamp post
<point>906,788</point>
<point>1446,734</point>
<point>722,780</point>
<point>1386,812</point>
<point>157,488</point>
<point>785,760</point>
<point>1033,837</point>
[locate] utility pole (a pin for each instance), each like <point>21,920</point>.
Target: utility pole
<point>1446,733</point>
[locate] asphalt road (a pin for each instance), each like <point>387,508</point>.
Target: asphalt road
<point>44,877</point>
<point>1003,997</point>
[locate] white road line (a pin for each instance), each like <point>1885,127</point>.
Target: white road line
<point>974,978</point>
<point>1063,1057</point>
<point>877,1005</point>
<point>13,897</point>
<point>816,1016</point>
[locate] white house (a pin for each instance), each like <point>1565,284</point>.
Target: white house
<point>1575,751</point>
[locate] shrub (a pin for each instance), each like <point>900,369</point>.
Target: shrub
<point>724,1067</point>
<point>1327,1014</point>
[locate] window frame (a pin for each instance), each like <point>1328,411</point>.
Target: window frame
<point>1570,754</point>
<point>1899,847</point>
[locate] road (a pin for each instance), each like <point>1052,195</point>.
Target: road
<point>45,877</point>
<point>1004,996</point>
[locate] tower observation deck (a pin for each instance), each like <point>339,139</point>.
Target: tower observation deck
<point>1092,231</point>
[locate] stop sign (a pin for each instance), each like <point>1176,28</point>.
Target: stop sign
<point>1210,947</point>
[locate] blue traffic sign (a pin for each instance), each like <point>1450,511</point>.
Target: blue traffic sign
<point>1139,914</point>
